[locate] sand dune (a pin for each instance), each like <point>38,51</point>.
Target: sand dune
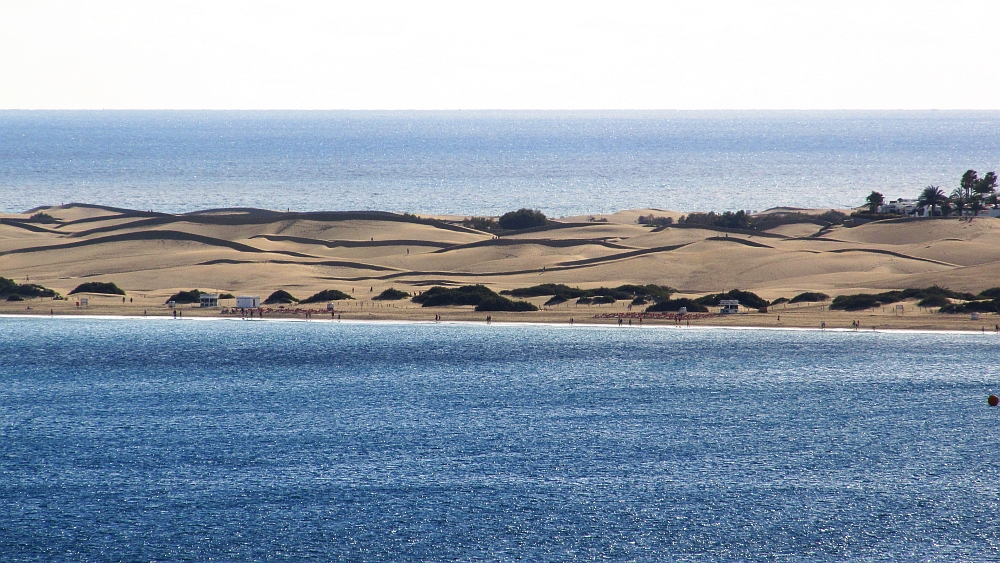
<point>257,251</point>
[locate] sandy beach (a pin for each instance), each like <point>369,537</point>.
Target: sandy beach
<point>255,252</point>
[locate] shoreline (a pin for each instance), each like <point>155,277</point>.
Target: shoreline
<point>504,324</point>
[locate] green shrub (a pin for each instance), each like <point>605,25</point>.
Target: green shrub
<point>779,301</point>
<point>438,296</point>
<point>934,301</point>
<point>971,307</point>
<point>9,287</point>
<point>991,293</point>
<point>15,297</point>
<point>808,297</point>
<point>227,296</point>
<point>746,299</point>
<point>623,292</point>
<point>280,297</point>
<point>108,288</point>
<point>186,297</point>
<point>930,295</point>
<point>585,301</point>
<point>676,304</point>
<point>501,303</point>
<point>42,218</point>
<point>856,302</point>
<point>556,300</point>
<point>481,223</point>
<point>522,219</point>
<point>546,289</point>
<point>639,301</point>
<point>653,221</point>
<point>391,294</point>
<point>323,296</point>
<point>603,300</point>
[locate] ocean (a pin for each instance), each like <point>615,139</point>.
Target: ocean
<point>163,440</point>
<point>485,163</point>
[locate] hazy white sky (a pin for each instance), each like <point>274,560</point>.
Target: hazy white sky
<point>500,55</point>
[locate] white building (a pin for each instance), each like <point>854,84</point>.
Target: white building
<point>729,306</point>
<point>209,299</point>
<point>247,301</point>
<point>901,206</point>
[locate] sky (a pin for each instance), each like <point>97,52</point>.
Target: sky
<point>372,55</point>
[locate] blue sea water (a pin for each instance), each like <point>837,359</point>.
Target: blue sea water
<point>161,440</point>
<point>564,163</point>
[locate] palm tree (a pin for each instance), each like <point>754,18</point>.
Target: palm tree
<point>958,200</point>
<point>976,205</point>
<point>932,197</point>
<point>986,185</point>
<point>968,183</point>
<point>874,200</point>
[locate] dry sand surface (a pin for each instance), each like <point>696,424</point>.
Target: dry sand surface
<point>254,252</point>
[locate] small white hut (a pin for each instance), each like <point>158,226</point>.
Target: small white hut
<point>209,299</point>
<point>247,301</point>
<point>729,306</point>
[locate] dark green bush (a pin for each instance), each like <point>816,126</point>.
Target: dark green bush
<point>991,293</point>
<point>280,297</point>
<point>9,287</point>
<point>15,297</point>
<point>522,219</point>
<point>746,299</point>
<point>971,307</point>
<point>42,218</point>
<point>639,301</point>
<point>546,289</point>
<point>808,297</point>
<point>931,295</point>
<point>186,297</point>
<point>603,300</point>
<point>391,294</point>
<point>934,301</point>
<point>556,300</point>
<point>654,221</point>
<point>438,296</point>
<point>481,223</point>
<point>227,296</point>
<point>325,295</point>
<point>34,290</point>
<point>779,301</point>
<point>856,302</point>
<point>108,288</point>
<point>675,305</point>
<point>585,301</point>
<point>501,303</point>
<point>627,291</point>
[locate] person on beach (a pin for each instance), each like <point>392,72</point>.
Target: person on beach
<point>175,314</point>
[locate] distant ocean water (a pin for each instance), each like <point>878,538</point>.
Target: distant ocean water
<point>160,440</point>
<point>565,163</point>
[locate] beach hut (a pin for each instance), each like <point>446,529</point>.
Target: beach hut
<point>209,299</point>
<point>729,306</point>
<point>247,301</point>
